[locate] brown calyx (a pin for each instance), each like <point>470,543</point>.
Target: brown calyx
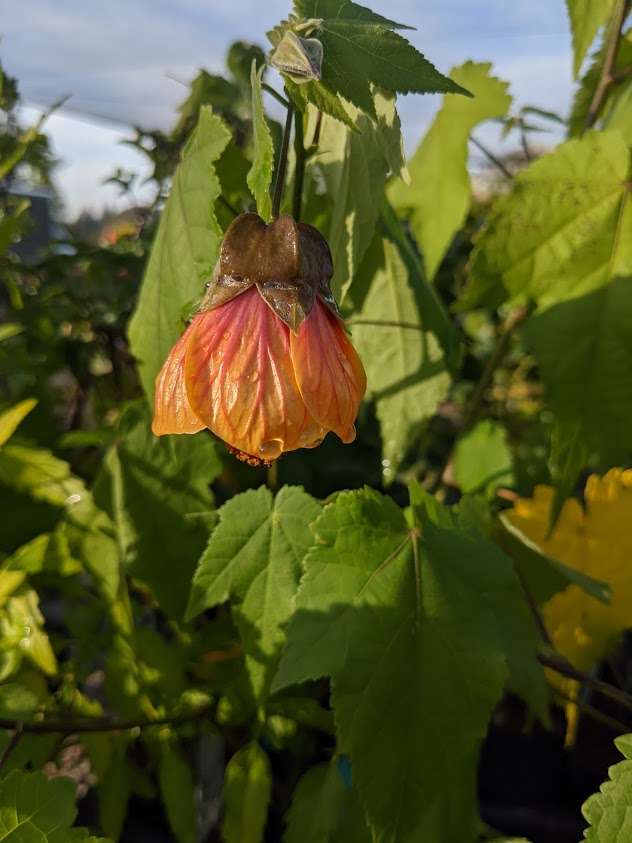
<point>289,262</point>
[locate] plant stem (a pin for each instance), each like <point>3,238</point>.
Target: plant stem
<point>279,179</point>
<point>299,165</point>
<point>559,664</point>
<point>98,724</point>
<point>617,725</point>
<point>612,48</point>
<point>491,157</point>
<point>273,93</point>
<point>478,396</point>
<point>228,205</point>
<point>15,739</point>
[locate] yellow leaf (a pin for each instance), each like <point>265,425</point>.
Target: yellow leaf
<point>597,541</point>
<point>12,417</point>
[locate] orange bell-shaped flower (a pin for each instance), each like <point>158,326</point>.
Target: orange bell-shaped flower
<point>266,364</point>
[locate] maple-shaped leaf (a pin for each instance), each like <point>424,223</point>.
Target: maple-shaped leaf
<point>609,812</point>
<point>361,50</point>
<point>596,542</point>
<point>410,624</point>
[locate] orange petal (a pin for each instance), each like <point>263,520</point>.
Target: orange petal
<point>172,411</point>
<point>329,372</point>
<point>240,380</point>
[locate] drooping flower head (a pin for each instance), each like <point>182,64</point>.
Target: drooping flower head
<point>266,363</point>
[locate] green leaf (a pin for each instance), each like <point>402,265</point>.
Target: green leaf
<point>17,702</point>
<point>587,17</point>
<point>609,812</point>
<point>542,575</point>
<point>482,460</point>
<point>12,224</point>
<point>156,491</point>
<point>560,232</point>
<point>397,337</point>
<point>260,174</point>
<point>22,620</point>
<point>184,251</point>
<point>247,790</point>
<point>325,810</point>
<point>10,329</point>
<point>114,789</point>
<point>440,192</point>
<point>34,809</point>
<point>354,164</point>
<point>177,788</point>
<point>254,559</point>
<point>13,417</point>
<point>589,389</point>
<point>358,54</point>
<point>567,458</point>
<point>346,9</point>
<point>411,625</point>
<point>322,99</point>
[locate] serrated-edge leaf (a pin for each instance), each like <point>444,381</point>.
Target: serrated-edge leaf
<point>184,250</point>
<point>259,176</point>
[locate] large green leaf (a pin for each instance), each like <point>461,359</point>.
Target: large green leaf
<point>439,195</point>
<point>34,809</point>
<point>325,810</point>
<point>184,251</point>
<point>561,231</point>
<point>584,353</point>
<point>247,789</point>
<point>156,491</point>
<point>357,164</point>
<point>260,174</point>
<point>609,812</point>
<point>411,624</point>
<point>587,17</point>
<point>254,559</point>
<point>361,50</point>
<point>397,325</point>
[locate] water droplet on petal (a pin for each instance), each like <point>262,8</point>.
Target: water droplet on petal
<point>271,449</point>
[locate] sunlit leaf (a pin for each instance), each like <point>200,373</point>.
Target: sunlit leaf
<point>10,419</point>
<point>260,174</point>
<point>587,17</point>
<point>482,458</point>
<point>609,811</point>
<point>439,195</point>
<point>247,790</point>
<point>254,559</point>
<point>184,250</point>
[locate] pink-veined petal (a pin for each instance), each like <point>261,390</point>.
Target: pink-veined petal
<point>172,411</point>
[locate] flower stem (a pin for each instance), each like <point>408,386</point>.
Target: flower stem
<point>279,179</point>
<point>606,77</point>
<point>299,167</point>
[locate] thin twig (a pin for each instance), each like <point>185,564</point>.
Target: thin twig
<point>606,77</point>
<point>282,165</point>
<point>99,724</point>
<point>478,396</point>
<point>618,725</point>
<point>491,157</point>
<point>560,665</point>
<point>524,142</point>
<point>15,739</point>
<point>277,96</point>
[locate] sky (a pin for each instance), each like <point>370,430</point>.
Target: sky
<point>124,62</point>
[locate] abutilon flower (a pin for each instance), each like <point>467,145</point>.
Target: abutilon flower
<point>266,363</point>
